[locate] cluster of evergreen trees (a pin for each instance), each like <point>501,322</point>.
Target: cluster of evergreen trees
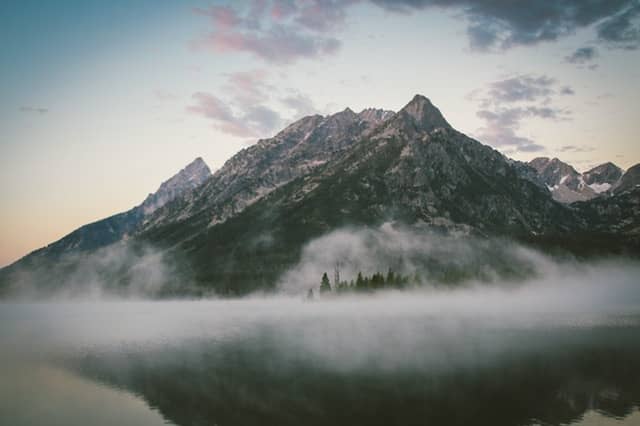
<point>377,281</point>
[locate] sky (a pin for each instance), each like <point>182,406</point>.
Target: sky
<point>102,101</point>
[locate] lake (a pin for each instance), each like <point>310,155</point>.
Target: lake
<point>469,357</point>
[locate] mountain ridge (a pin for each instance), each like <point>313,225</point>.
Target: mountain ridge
<point>244,225</point>
<point>567,185</point>
<point>111,229</point>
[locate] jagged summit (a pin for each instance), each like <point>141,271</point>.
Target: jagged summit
<point>193,175</point>
<point>375,115</point>
<point>568,185</point>
<point>604,174</point>
<point>425,115</point>
<point>630,180</point>
<point>197,164</point>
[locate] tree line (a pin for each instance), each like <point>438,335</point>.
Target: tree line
<point>365,283</point>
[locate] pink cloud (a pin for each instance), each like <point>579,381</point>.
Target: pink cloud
<point>279,45</point>
<point>283,33</point>
<point>222,16</point>
<point>250,121</point>
<point>282,9</point>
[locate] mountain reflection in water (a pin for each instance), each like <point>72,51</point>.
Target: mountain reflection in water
<point>271,362</point>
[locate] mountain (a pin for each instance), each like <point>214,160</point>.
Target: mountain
<point>568,185</point>
<point>269,164</point>
<point>603,177</point>
<point>411,168</point>
<point>239,229</point>
<point>192,176</point>
<point>629,181</point>
<point>564,182</point>
<point>616,215</point>
<point>120,226</point>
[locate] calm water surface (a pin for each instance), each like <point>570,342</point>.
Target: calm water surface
<point>399,359</point>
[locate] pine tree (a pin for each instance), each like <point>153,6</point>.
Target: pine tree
<point>325,285</point>
<point>360,282</point>
<point>391,278</point>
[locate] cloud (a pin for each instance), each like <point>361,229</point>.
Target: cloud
<point>567,90</point>
<point>503,24</point>
<point>249,87</point>
<point>278,32</point>
<point>505,104</point>
<point>284,31</point>
<point>521,88</point>
<point>322,15</point>
<point>253,121</point>
<point>582,55</point>
<point>301,104</point>
<point>244,111</point>
<point>623,29</point>
<point>500,130</point>
<point>576,148</point>
<point>249,106</point>
<point>34,109</point>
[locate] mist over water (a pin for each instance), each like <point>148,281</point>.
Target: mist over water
<point>546,346</point>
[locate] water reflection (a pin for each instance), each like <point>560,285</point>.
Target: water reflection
<point>37,394</point>
<point>492,376</point>
<point>384,361</point>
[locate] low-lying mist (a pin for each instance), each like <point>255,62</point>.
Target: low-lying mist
<point>433,264</point>
<point>517,336</point>
<point>119,271</point>
<point>392,327</point>
<point>438,261</point>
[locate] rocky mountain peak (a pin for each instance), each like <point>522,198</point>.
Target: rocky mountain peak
<point>424,114</point>
<point>564,182</point>
<point>298,128</point>
<point>568,185</point>
<point>193,175</point>
<point>196,170</point>
<point>374,115</point>
<point>344,117</point>
<point>630,180</point>
<point>604,174</point>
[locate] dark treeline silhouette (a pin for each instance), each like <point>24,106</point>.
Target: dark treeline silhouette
<point>365,283</point>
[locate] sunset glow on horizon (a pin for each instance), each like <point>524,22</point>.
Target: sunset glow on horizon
<point>103,101</point>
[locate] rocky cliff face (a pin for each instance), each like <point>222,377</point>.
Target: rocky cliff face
<point>604,177</point>
<point>629,181</point>
<point>564,182</point>
<point>568,185</point>
<point>240,228</point>
<point>192,176</point>
<point>408,169</point>
<point>256,171</point>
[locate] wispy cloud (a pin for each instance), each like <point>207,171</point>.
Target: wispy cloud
<point>284,31</point>
<point>34,109</point>
<point>622,29</point>
<point>520,88</point>
<point>248,105</point>
<point>582,55</point>
<point>503,24</point>
<point>301,104</point>
<point>576,148</point>
<point>249,122</point>
<point>277,32</point>
<point>249,87</point>
<point>505,104</point>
